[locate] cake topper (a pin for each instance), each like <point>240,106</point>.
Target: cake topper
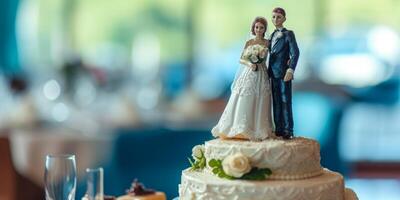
<point>247,114</point>
<point>284,54</point>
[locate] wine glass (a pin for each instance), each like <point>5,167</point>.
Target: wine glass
<point>95,184</point>
<point>60,177</point>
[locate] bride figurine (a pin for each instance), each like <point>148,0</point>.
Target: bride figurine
<point>247,114</point>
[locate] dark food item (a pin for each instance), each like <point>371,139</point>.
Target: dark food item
<point>109,198</point>
<point>138,189</point>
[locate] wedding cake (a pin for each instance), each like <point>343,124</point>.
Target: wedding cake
<point>292,171</point>
<point>249,161</point>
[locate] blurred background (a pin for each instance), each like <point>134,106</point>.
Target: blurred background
<point>132,86</point>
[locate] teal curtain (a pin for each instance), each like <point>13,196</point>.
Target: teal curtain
<point>9,65</point>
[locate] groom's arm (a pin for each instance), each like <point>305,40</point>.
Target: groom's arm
<point>294,52</point>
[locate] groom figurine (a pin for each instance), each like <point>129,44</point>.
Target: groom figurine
<point>284,54</point>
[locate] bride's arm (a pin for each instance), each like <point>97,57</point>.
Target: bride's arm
<point>246,62</point>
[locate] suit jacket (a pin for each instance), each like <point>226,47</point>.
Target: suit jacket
<point>284,54</point>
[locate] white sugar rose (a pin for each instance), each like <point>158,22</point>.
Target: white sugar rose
<point>236,165</point>
<point>253,58</point>
<point>197,151</point>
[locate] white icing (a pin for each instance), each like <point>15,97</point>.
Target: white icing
<point>204,186</point>
<point>298,158</point>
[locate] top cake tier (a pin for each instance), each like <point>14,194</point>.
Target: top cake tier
<point>298,158</point>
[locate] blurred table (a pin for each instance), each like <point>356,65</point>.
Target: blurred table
<point>30,147</point>
<point>374,189</point>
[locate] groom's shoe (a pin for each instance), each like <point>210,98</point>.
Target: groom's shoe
<point>278,133</point>
<point>287,135</point>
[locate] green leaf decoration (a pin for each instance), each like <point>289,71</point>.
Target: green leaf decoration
<point>215,171</point>
<point>224,175</point>
<point>202,161</point>
<point>254,174</point>
<point>213,163</point>
<point>267,171</point>
<point>199,163</point>
<point>191,162</point>
<point>220,175</point>
<point>257,174</point>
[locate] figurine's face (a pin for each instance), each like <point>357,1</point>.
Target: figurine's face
<point>278,19</point>
<point>259,29</point>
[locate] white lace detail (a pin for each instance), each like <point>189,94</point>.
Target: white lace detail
<point>245,84</point>
<point>252,82</point>
<point>248,111</point>
<point>201,186</point>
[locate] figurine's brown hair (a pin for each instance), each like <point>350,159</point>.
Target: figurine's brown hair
<point>279,10</point>
<point>263,21</point>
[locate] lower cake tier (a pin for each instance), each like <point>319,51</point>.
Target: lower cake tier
<point>203,186</point>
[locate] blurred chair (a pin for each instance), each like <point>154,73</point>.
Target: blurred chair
<point>7,173</point>
<point>369,139</point>
<point>156,157</point>
<point>13,186</point>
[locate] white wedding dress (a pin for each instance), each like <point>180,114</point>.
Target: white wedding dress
<point>248,111</point>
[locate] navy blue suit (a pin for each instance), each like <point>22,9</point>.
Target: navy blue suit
<point>284,54</point>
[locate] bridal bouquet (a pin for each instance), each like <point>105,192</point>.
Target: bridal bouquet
<point>256,54</point>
